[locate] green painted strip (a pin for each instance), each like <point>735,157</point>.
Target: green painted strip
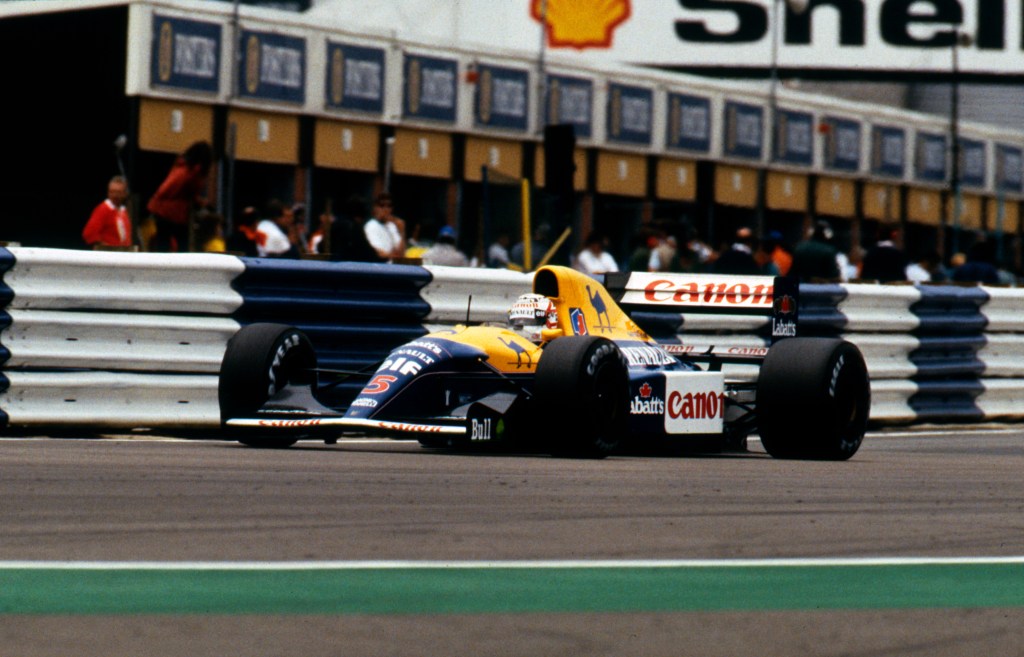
<point>507,590</point>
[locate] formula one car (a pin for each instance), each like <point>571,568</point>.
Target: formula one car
<point>570,375</point>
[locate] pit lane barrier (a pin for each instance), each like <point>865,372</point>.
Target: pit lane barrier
<point>92,339</point>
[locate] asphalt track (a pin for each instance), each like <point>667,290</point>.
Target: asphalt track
<point>145,546</point>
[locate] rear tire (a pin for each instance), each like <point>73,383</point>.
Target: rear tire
<point>581,394</point>
<point>813,399</point>
<point>260,360</point>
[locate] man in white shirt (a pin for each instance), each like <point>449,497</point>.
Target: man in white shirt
<point>593,259</point>
<point>384,231</point>
<point>272,239</point>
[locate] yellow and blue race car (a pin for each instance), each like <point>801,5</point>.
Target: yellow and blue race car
<point>570,375</point>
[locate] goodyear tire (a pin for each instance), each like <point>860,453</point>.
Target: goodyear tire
<point>813,399</point>
<point>259,361</point>
<point>581,394</point>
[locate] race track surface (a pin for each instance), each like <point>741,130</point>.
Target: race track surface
<point>687,550</point>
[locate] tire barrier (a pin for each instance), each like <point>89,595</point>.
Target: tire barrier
<point>99,340</point>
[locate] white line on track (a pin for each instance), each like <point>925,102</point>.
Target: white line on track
<point>599,563</point>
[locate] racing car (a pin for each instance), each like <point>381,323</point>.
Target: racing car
<point>571,374</point>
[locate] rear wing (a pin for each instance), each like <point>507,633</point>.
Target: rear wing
<point>736,303</point>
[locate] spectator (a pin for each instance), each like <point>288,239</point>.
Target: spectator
<point>640,258</point>
<point>109,224</point>
<point>210,233</point>
<point>538,248</point>
<point>778,252</point>
<point>172,205</point>
<point>444,251</point>
<point>885,262</point>
<point>243,239</point>
<point>319,239</point>
<point>593,259</point>
<point>739,257</point>
<point>497,253</point>
<point>927,269</point>
<point>665,255</point>
<point>979,267</point>
<point>384,231</point>
<point>297,233</point>
<point>348,234</point>
<point>815,258</point>
<point>274,234</point>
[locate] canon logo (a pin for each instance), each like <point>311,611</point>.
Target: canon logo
<point>932,24</point>
<point>696,406</point>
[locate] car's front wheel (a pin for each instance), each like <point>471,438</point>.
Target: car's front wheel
<point>260,360</point>
<point>813,399</point>
<point>581,395</point>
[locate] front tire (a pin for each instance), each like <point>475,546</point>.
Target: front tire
<point>813,399</point>
<point>581,394</point>
<point>260,360</point>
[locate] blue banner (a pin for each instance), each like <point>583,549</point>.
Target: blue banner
<point>794,137</point>
<point>744,130</point>
<point>689,123</point>
<point>355,78</point>
<point>273,67</point>
<point>972,168</point>
<point>502,97</point>
<point>888,149</point>
<point>431,88</point>
<point>930,157</point>
<point>629,115</point>
<point>842,144</point>
<point>570,100</point>
<point>185,54</point>
<point>1009,169</point>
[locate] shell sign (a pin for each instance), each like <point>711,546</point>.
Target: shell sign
<point>580,23</point>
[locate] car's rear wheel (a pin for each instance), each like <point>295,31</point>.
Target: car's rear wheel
<point>260,360</point>
<point>813,399</point>
<point>581,394</point>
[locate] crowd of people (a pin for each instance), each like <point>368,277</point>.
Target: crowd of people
<point>178,219</point>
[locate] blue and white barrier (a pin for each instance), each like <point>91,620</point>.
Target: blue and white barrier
<point>121,340</point>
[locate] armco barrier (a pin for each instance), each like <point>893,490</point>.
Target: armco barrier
<point>118,340</point>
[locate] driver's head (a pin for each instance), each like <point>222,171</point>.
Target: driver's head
<point>530,314</point>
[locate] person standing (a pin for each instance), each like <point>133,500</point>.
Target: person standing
<point>815,257</point>
<point>172,204</point>
<point>739,257</point>
<point>444,251</point>
<point>384,231</point>
<point>109,224</point>
<point>243,239</point>
<point>885,262</point>
<point>273,235</point>
<point>348,234</point>
<point>593,259</point>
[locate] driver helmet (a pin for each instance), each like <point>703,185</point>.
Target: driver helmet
<point>530,314</point>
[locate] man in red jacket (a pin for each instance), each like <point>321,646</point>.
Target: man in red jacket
<point>109,224</point>
<point>172,204</point>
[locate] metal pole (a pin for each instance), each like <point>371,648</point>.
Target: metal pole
<point>389,154</point>
<point>542,81</point>
<point>954,130</point>
<point>769,135</point>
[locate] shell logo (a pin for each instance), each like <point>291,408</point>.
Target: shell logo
<point>580,23</point>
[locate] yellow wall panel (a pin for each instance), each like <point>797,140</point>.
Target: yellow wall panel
<point>265,137</point>
<point>924,206</point>
<point>835,197</point>
<point>676,180</point>
<point>168,126</point>
<point>347,146</point>
<point>881,202</point>
<point>971,208</point>
<point>787,191</point>
<point>621,174</point>
<point>423,153</point>
<point>500,156</point>
<point>579,179</point>
<point>736,186</point>
<point>1010,210</point>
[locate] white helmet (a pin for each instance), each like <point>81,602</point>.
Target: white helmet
<point>530,314</point>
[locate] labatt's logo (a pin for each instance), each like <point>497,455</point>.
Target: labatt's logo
<point>580,23</point>
<point>646,403</point>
